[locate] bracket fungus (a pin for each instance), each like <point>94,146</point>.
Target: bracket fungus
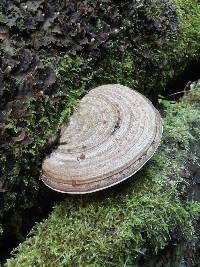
<point>114,131</point>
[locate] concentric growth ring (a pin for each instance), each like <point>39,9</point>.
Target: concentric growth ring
<point>111,135</point>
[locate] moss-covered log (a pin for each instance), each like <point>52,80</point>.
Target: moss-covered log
<point>140,216</point>
<point>52,52</point>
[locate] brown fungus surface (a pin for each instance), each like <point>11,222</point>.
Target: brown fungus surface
<point>111,135</point>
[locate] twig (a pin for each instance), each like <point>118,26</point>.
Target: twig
<point>177,93</point>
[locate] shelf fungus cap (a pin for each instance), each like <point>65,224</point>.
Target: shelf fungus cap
<point>114,131</point>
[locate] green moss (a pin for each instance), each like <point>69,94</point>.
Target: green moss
<point>115,227</point>
<point>174,55</point>
<point>188,12</point>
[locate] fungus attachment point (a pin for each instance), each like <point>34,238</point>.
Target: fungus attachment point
<point>111,135</point>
